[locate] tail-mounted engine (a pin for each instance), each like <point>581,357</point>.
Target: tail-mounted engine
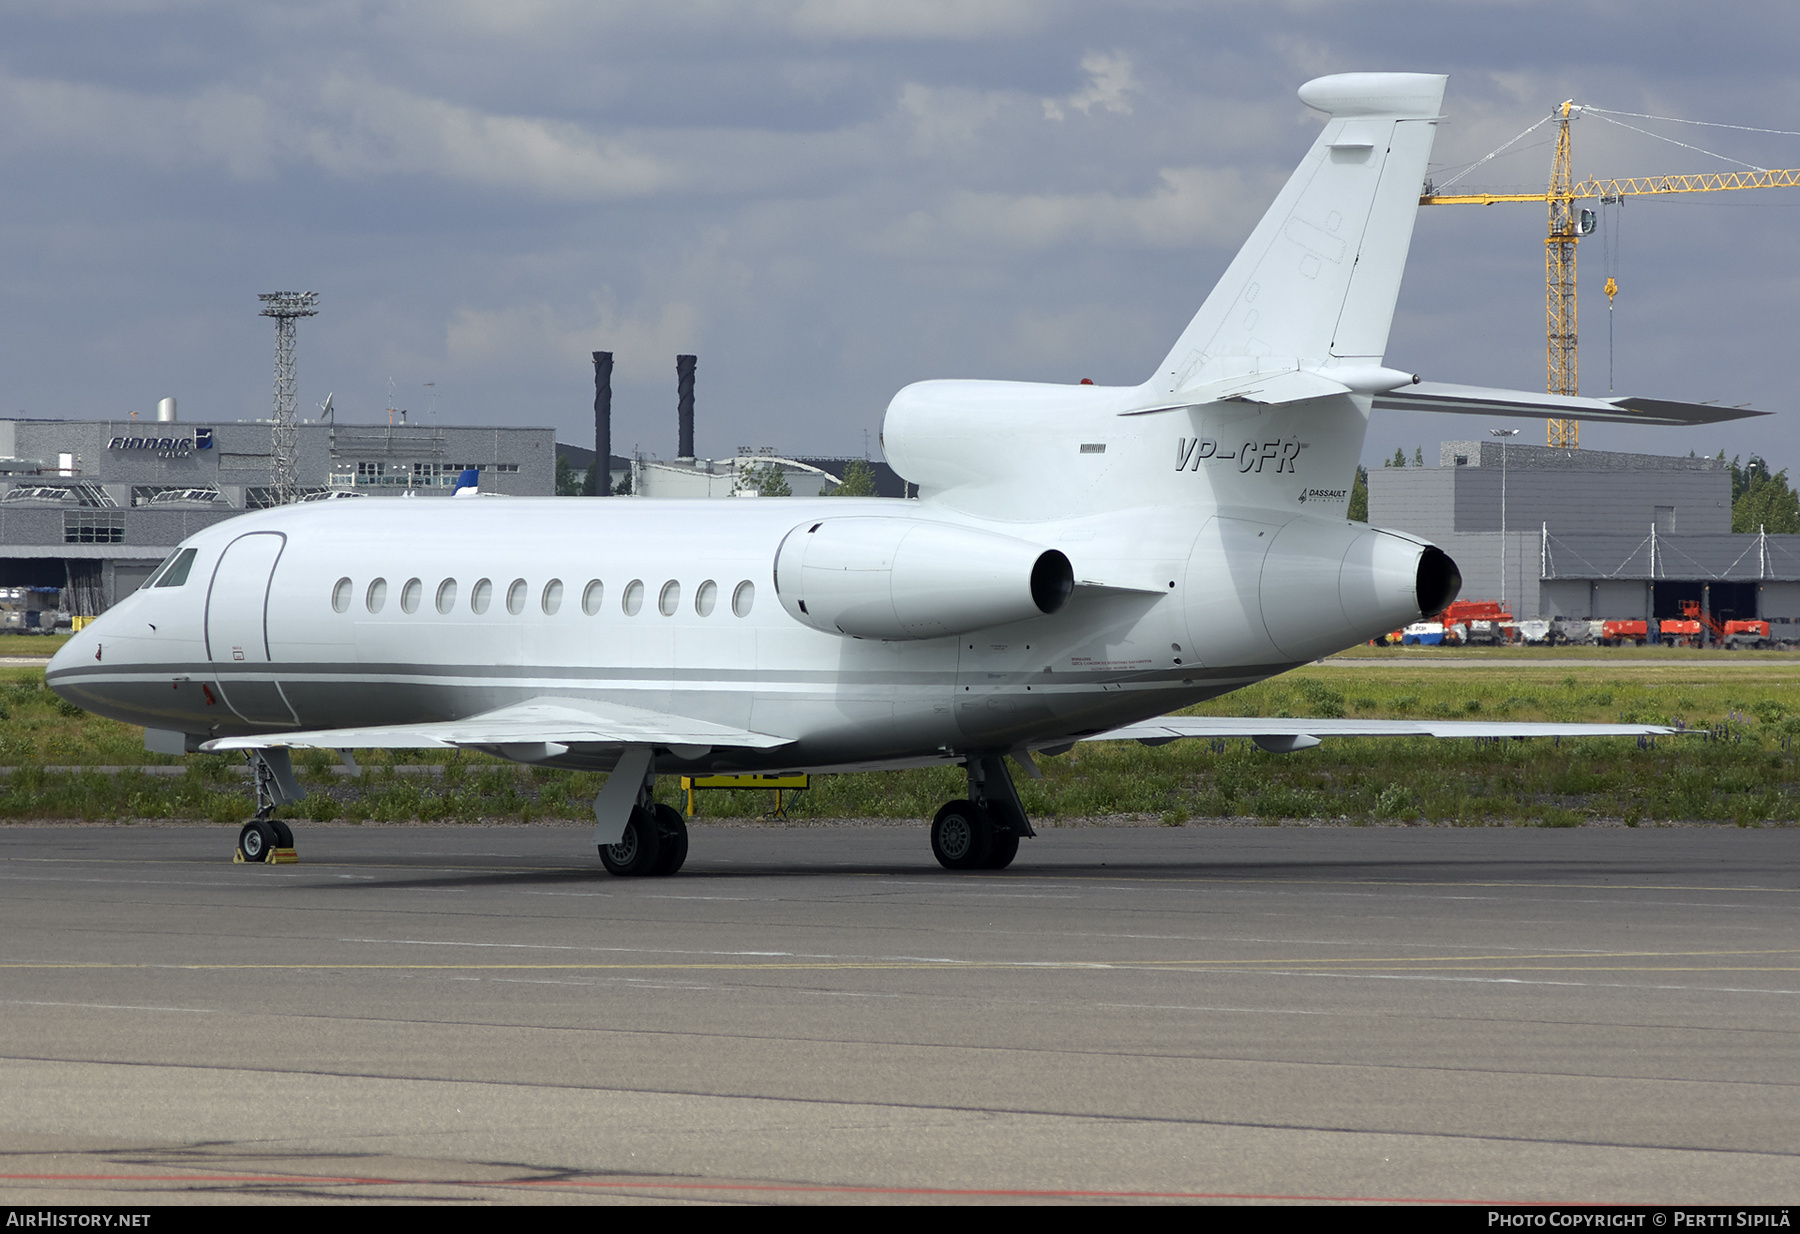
<point>1267,592</point>
<point>903,578</point>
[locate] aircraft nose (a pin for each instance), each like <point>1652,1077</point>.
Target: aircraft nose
<point>83,647</point>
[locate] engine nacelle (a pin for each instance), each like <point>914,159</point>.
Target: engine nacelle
<point>904,578</point>
<point>1272,593</point>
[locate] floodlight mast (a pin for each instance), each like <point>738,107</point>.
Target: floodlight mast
<point>284,463</point>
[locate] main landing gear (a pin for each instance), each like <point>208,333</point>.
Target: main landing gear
<point>637,836</point>
<point>266,839</point>
<point>655,843</point>
<point>982,832</point>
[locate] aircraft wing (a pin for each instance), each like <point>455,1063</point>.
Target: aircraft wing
<point>1298,734</point>
<point>546,722</point>
<point>1626,409</point>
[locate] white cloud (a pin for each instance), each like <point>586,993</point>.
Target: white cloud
<point>350,128</point>
<point>1110,83</point>
<point>911,19</point>
<point>220,126</point>
<point>846,20</point>
<point>1193,205</point>
<point>521,335</point>
<point>381,129</point>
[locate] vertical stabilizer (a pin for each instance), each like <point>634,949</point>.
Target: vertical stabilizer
<point>1318,278</point>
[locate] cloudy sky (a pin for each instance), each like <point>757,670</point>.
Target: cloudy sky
<point>827,199</point>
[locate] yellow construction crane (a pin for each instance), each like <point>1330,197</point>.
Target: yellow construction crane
<point>1568,225</point>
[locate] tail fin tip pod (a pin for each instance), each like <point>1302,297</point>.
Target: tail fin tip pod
<point>1317,280</point>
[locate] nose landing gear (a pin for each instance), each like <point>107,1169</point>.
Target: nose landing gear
<point>266,839</point>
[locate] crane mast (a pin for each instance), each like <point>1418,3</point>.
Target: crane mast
<point>1561,360</point>
<point>1568,224</point>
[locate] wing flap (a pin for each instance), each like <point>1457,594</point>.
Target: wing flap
<point>547,722</point>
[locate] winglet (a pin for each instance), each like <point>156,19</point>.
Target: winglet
<point>468,484</point>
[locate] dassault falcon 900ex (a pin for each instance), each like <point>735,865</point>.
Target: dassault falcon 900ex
<point>1080,561</point>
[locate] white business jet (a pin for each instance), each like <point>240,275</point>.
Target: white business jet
<point>1080,561</point>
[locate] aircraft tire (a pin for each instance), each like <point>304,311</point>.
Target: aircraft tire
<point>638,849</point>
<point>284,835</point>
<point>962,836</point>
<point>257,840</point>
<point>673,838</point>
<point>1006,847</point>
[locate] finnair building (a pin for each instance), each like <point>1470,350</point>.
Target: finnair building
<point>88,507</point>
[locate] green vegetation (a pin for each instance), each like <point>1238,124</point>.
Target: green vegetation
<point>1743,771</point>
<point>768,479</point>
<point>569,482</point>
<point>45,645</point>
<point>859,481</point>
<point>1761,499</point>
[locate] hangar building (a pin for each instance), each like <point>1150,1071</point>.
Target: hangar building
<point>91,506</point>
<point>1591,533</point>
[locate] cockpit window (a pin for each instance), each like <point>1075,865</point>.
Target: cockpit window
<point>176,572</point>
<point>161,566</point>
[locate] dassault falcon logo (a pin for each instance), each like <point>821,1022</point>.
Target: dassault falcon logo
<point>1251,456</point>
<point>1323,494</point>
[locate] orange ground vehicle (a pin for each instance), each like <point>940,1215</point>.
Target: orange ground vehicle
<point>1746,634</point>
<point>1482,621</point>
<point>1683,632</point>
<point>1618,633</point>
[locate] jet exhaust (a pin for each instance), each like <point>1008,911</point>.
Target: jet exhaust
<point>1439,582</point>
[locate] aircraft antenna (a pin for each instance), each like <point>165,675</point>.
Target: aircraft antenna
<point>284,468</point>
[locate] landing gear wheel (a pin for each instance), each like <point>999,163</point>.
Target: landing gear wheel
<point>962,836</point>
<point>258,840</point>
<point>638,849</point>
<point>673,837</point>
<point>284,835</point>
<point>1006,847</point>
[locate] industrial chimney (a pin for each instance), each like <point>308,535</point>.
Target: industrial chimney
<point>600,475</point>
<point>684,406</point>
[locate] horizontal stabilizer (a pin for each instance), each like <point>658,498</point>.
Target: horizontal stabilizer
<point>541,722</point>
<point>1171,728</point>
<point>1275,387</point>
<point>1627,409</point>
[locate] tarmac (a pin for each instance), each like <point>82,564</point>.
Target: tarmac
<point>819,1013</point>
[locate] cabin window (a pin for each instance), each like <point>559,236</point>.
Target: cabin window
<point>340,595</point>
<point>446,596</point>
<point>634,597</point>
<point>377,595</point>
<point>409,595</point>
<point>482,596</point>
<point>670,599</point>
<point>552,597</point>
<point>592,596</point>
<point>707,598</point>
<point>744,598</point>
<point>176,573</point>
<point>515,597</point>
